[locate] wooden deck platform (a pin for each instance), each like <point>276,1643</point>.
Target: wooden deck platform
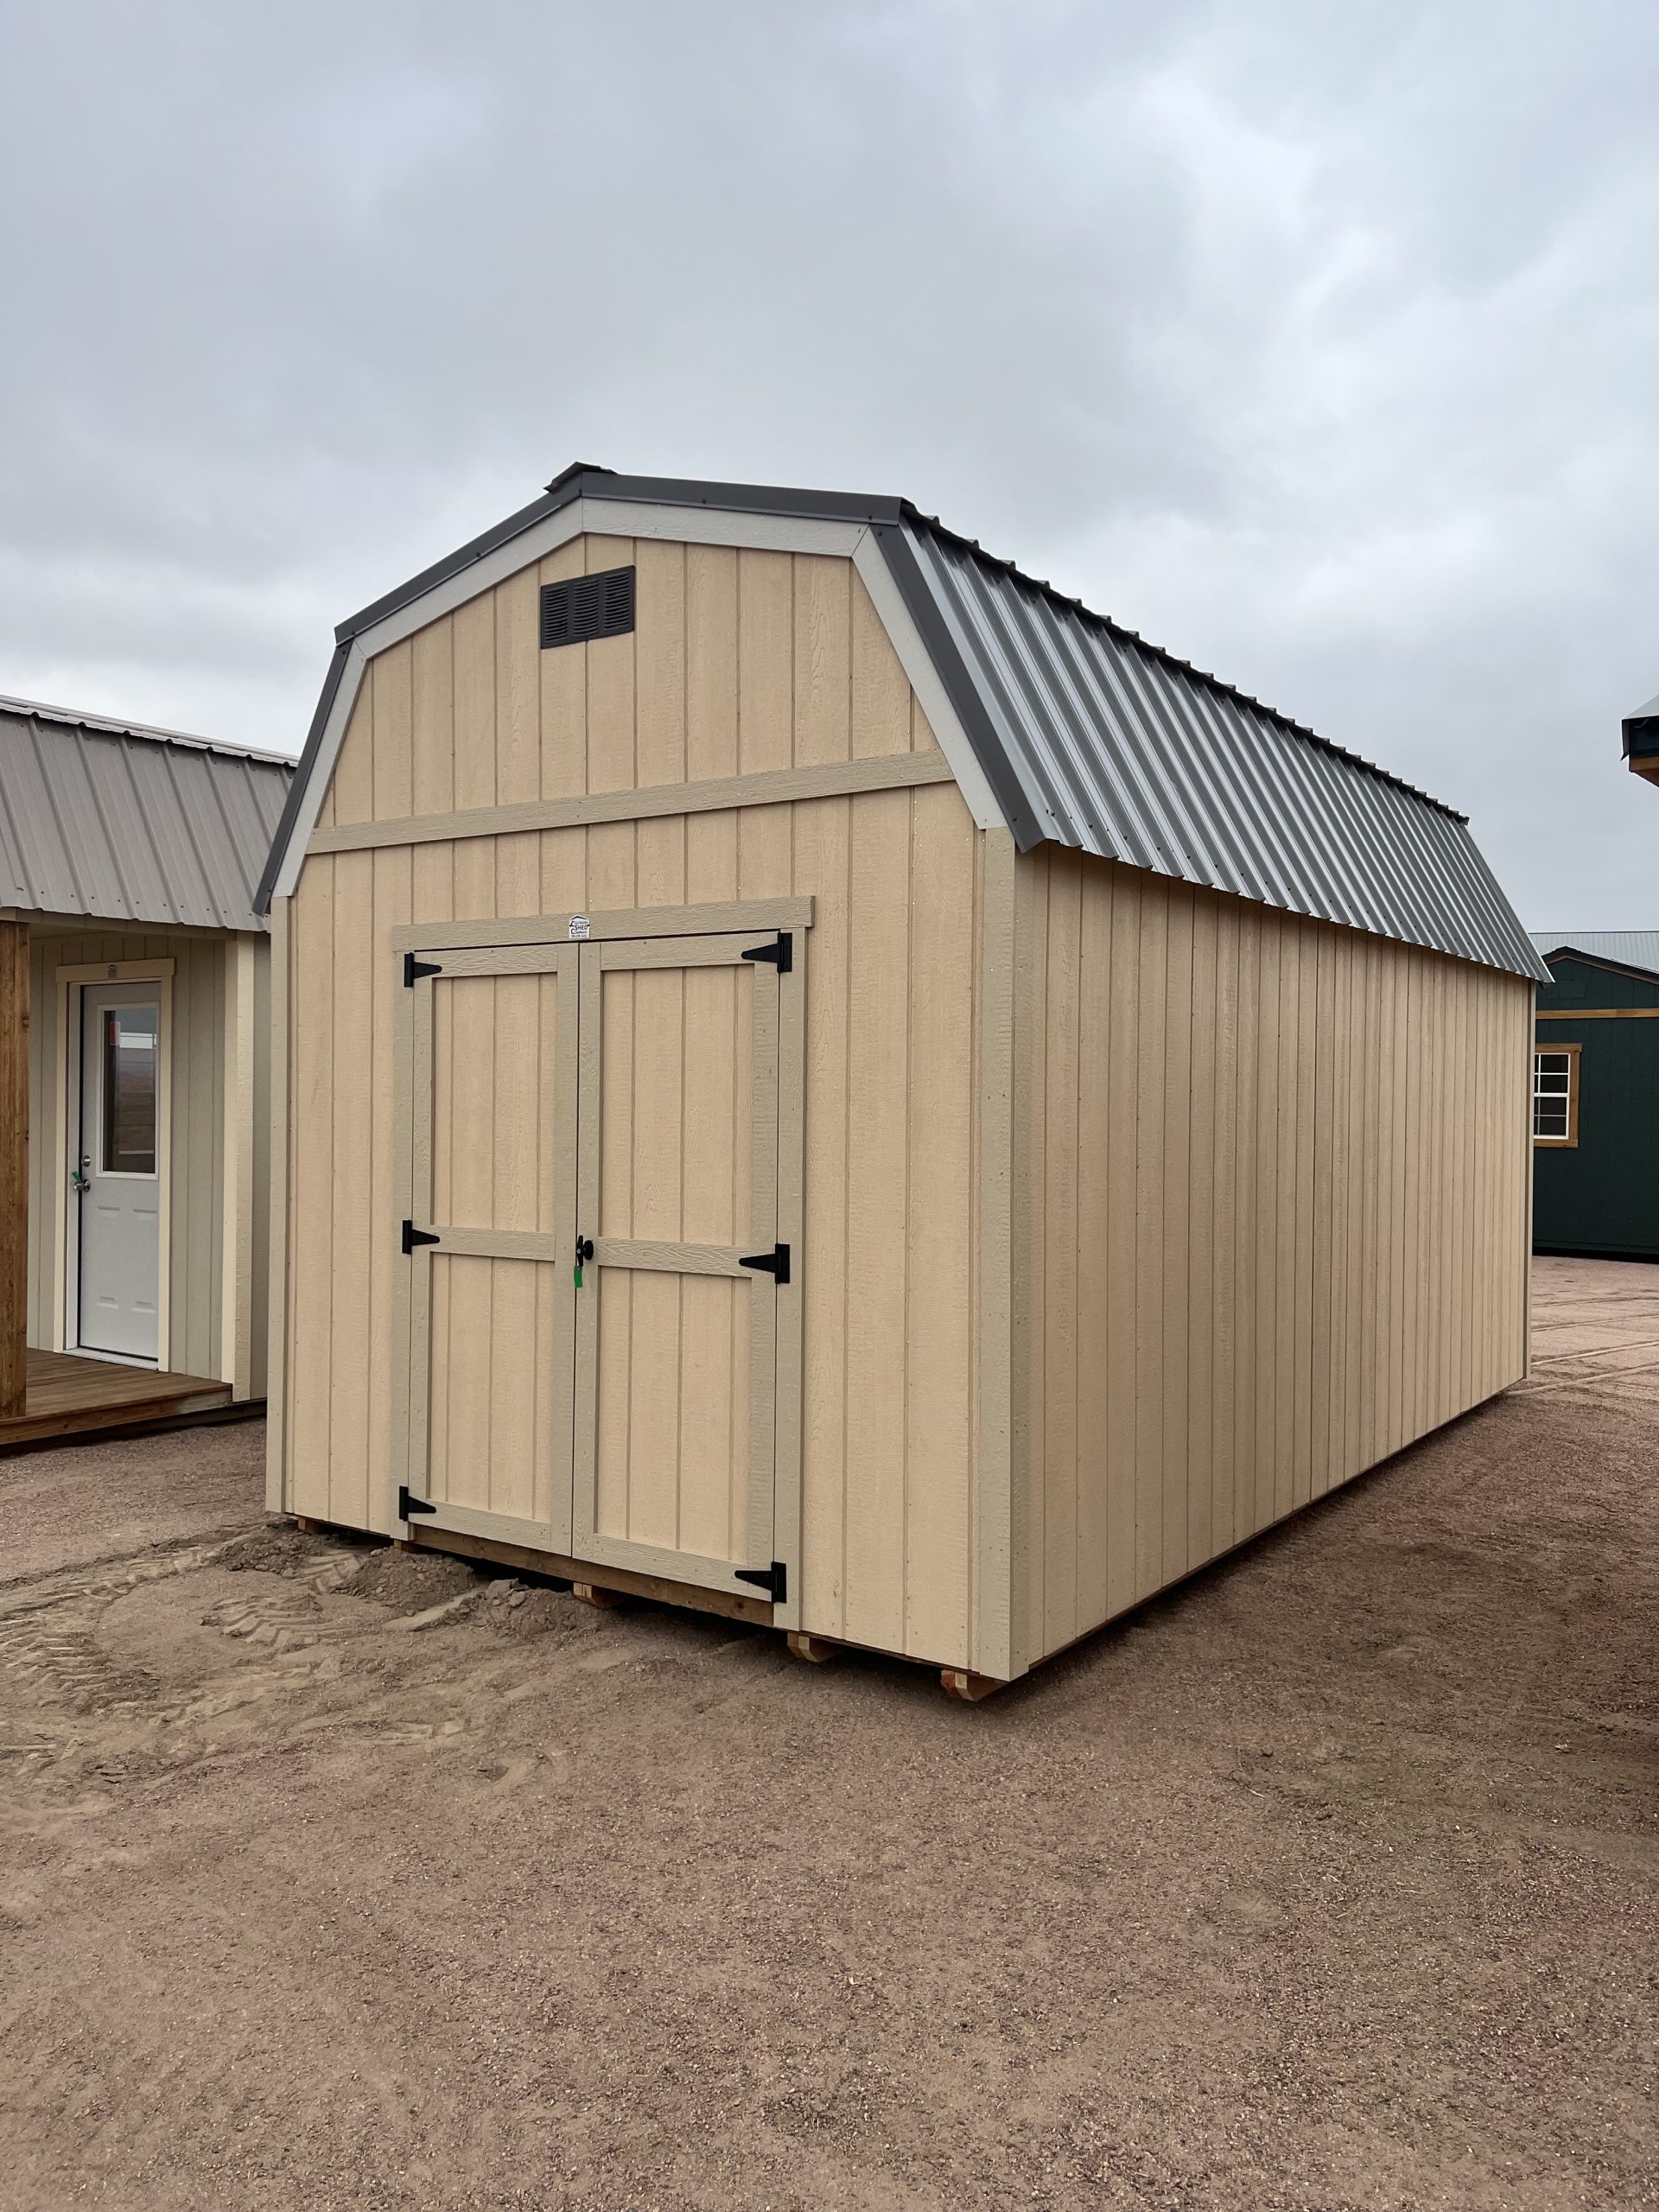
<point>69,1396</point>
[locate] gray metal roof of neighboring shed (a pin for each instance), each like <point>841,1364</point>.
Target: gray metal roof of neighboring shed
<point>1630,948</point>
<point>1090,737</point>
<point>125,824</point>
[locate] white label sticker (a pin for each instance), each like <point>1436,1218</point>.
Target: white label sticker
<point>580,926</point>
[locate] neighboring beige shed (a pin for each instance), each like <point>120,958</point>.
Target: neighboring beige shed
<point>821,1080</point>
<point>134,1072</point>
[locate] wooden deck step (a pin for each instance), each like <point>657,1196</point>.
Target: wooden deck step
<point>69,1395</point>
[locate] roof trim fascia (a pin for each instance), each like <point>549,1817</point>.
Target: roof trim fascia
<point>538,530</point>
<point>1004,802</point>
<point>1570,951</point>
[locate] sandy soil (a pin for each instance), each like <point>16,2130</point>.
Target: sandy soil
<point>335,1878</point>
<point>78,1503</point>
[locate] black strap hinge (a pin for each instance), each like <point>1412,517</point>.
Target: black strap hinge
<point>413,1236</point>
<point>774,1263</point>
<point>413,970</point>
<point>773,1580</point>
<point>780,955</point>
<point>409,1505</point>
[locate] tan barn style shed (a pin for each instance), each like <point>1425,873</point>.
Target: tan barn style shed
<point>826,1082</point>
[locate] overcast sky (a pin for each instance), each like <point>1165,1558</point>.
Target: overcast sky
<point>1319,343</point>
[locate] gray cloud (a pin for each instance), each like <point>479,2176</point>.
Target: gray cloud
<point>1317,344</point>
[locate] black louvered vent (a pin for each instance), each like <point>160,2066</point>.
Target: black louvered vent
<point>587,606</point>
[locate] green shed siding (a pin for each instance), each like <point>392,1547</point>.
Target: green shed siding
<point>1601,1195</point>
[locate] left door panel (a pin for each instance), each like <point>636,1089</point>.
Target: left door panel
<point>492,1166</point>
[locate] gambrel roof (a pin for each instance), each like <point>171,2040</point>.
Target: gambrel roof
<point>1059,724</point>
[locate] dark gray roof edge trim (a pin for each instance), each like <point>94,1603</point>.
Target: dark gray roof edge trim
<point>586,481</point>
<point>964,695</point>
<point>1568,950</point>
<point>296,797</point>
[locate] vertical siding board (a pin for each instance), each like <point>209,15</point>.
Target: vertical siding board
<point>1241,1516</point>
<point>1396,1199</point>
<point>1124,1311</point>
<point>1059,1620</point>
<point>938,1360</point>
<point>518,740</point>
<point>766,708</point>
<point>711,717</point>
<point>1306,1070</point>
<point>1326,1317</point>
<point>883,720</point>
<point>1176,1208</point>
<point>350,1186</point>
<point>1151,1243</point>
<point>877,1206</point>
<point>1096,1052</point>
<point>1360,1152</point>
<point>1202,1227</point>
<point>1289,1225</point>
<point>311,1283</point>
<point>474,752</point>
<point>1026,1209</point>
<point>827,689</point>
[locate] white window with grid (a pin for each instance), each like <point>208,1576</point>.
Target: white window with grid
<point>1553,1102</point>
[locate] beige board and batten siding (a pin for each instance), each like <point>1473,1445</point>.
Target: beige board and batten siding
<point>1271,1220</point>
<point>743,663</point>
<point>201,1332</point>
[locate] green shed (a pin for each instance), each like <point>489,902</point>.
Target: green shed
<point>1595,1108</point>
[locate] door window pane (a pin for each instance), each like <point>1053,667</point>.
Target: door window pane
<point>130,1089</point>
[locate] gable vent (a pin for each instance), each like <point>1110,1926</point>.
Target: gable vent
<point>587,606</point>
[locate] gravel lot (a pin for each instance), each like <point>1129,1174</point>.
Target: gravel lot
<point>1326,1882</point>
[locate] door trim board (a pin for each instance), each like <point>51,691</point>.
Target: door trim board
<point>724,919</point>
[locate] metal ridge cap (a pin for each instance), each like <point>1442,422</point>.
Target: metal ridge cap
<point>1162,653</point>
<point>587,480</point>
<point>109,726</point>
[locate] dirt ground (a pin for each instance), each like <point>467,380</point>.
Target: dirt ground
<point>332,1877</point>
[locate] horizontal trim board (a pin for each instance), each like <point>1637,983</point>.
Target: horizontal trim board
<point>650,801</point>
<point>1601,1013</point>
<point>620,921</point>
<point>117,972</point>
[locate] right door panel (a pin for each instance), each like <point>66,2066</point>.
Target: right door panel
<point>677,1185</point>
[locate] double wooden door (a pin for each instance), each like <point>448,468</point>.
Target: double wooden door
<point>603,1148</point>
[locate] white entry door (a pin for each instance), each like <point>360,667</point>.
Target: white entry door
<point>119,1177</point>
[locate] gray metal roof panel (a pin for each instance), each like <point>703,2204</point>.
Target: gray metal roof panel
<point>1116,748</point>
<point>132,825</point>
<point>1630,948</point>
